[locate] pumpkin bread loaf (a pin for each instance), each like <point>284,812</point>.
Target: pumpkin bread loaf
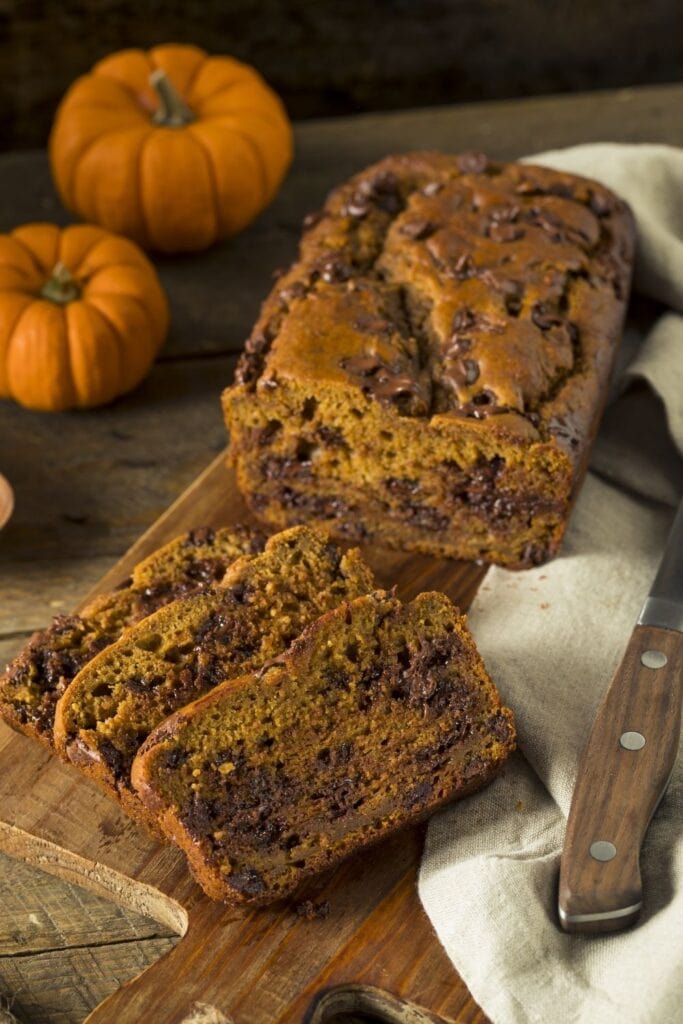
<point>431,372</point>
<point>378,714</point>
<point>36,679</point>
<point>189,646</point>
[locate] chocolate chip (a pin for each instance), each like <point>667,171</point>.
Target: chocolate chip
<point>504,214</point>
<point>112,757</point>
<point>334,271</point>
<point>266,434</point>
<point>533,554</point>
<point>357,207</point>
<point>464,372</point>
<point>417,230</point>
<point>463,319</point>
<point>463,268</point>
<point>384,191</point>
<point>471,367</point>
<point>543,315</point>
<point>386,383</point>
<point>296,290</point>
<point>473,162</point>
<point>174,758</point>
<point>402,486</point>
<point>505,232</point>
<point>499,726</point>
<point>513,305</point>
<point>505,285</point>
<point>457,345</point>
<point>311,219</point>
<point>381,191</point>
<point>332,437</point>
<point>251,361</point>
<point>418,795</point>
<point>200,535</point>
<point>599,204</point>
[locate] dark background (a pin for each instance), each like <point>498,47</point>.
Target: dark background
<point>340,57</point>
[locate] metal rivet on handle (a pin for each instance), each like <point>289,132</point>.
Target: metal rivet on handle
<point>603,850</point>
<point>632,740</point>
<point>653,659</point>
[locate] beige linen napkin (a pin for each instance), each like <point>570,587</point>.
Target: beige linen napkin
<point>551,638</point>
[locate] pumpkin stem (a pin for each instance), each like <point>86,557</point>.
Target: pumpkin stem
<point>61,286</point>
<point>173,111</point>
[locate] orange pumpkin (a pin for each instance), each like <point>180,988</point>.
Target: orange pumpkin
<point>82,315</point>
<point>171,147</point>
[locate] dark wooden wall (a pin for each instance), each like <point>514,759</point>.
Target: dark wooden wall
<point>340,56</point>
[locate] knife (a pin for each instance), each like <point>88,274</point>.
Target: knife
<point>627,763</point>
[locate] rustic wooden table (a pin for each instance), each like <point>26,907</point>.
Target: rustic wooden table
<point>87,484</point>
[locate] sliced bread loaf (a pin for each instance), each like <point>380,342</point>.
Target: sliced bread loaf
<point>186,648</point>
<point>375,716</point>
<point>37,677</point>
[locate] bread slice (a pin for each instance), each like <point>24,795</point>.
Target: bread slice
<point>37,677</point>
<point>378,714</point>
<point>188,647</point>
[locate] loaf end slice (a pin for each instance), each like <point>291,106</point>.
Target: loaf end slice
<point>375,717</point>
<point>35,680</point>
<point>191,645</point>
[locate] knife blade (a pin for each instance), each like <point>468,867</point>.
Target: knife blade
<point>627,763</point>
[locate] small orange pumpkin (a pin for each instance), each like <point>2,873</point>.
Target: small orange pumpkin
<point>171,147</point>
<point>82,316</point>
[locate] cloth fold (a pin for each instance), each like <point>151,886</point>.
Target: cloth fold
<point>551,638</point>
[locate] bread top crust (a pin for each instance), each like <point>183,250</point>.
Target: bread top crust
<point>458,290</point>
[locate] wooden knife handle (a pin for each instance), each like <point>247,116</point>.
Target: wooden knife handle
<point>623,773</point>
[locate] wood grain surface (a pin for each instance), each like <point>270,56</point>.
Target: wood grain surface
<point>88,484</point>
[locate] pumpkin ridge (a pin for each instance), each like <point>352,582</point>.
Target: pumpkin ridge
<point>142,215</point>
<point>190,85</point>
<point>118,343</point>
<point>78,95</point>
<point>127,90</point>
<point>154,63</point>
<point>82,398</point>
<point>69,189</point>
<point>140,259</point>
<point>16,333</point>
<point>147,314</point>
<point>216,92</point>
<point>220,226</point>
<point>111,266</point>
<point>10,335</point>
<point>260,163</point>
<point>245,74</point>
<point>16,287</point>
<point>40,269</point>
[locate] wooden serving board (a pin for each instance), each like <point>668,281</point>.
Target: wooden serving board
<point>374,952</point>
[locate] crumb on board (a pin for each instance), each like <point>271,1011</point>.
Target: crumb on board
<point>311,911</point>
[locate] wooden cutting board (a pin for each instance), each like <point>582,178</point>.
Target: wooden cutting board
<point>375,950</point>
